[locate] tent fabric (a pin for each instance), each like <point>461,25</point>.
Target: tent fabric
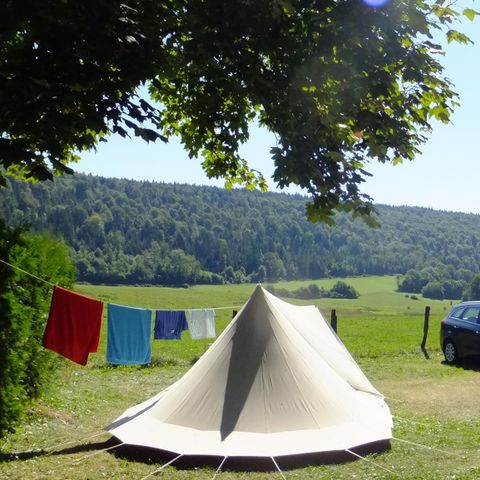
<point>276,382</point>
<point>201,323</point>
<point>169,324</point>
<point>73,326</point>
<point>129,335</point>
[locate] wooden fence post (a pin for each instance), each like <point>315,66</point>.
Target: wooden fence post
<point>333,320</point>
<point>425,331</point>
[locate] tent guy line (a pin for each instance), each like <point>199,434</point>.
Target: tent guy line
<point>428,447</point>
<point>372,463</point>
<point>278,468</point>
<point>158,470</point>
<point>220,467</point>
<point>53,286</point>
<point>97,452</point>
<point>406,420</point>
<point>55,448</point>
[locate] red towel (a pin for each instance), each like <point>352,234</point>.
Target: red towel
<point>73,327</point>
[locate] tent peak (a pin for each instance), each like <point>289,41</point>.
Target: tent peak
<point>258,289</point>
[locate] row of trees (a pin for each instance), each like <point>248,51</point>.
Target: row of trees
<point>441,282</point>
<point>122,231</point>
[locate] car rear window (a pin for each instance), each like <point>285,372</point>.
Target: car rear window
<point>457,312</point>
<point>470,314</point>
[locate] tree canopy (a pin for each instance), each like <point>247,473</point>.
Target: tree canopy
<point>339,83</point>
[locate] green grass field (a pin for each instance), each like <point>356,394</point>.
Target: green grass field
<point>433,405</point>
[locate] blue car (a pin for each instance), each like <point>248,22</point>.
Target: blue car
<point>460,332</point>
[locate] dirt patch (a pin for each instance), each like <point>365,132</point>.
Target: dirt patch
<point>41,411</point>
<point>448,398</point>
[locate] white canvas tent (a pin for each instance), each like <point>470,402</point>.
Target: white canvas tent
<point>277,382</point>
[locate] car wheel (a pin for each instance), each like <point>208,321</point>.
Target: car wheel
<point>450,352</point>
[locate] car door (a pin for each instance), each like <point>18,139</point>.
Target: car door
<point>468,331</point>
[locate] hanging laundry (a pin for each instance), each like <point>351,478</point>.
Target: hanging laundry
<point>201,323</point>
<point>73,326</point>
<point>128,335</point>
<point>169,324</point>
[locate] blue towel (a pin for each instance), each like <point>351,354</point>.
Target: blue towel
<point>169,324</point>
<point>128,336</point>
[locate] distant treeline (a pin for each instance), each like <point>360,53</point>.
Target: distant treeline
<point>130,232</point>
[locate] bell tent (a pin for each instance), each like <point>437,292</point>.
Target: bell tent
<point>276,382</point>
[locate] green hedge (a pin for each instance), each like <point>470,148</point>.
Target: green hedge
<point>24,304</point>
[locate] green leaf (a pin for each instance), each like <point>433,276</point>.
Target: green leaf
<point>148,135</point>
<point>470,13</point>
<point>459,37</point>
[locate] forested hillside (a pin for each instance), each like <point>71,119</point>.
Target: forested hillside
<point>123,231</point>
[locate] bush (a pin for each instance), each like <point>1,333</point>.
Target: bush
<point>310,292</point>
<point>433,290</point>
<point>342,290</point>
<point>313,291</point>
<point>24,303</point>
<point>453,289</point>
<point>472,289</point>
<point>280,292</point>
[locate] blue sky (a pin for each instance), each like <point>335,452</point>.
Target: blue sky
<point>446,176</point>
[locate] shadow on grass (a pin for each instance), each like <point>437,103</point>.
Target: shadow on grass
<point>189,462</point>
<point>87,447</point>
<point>287,462</point>
<point>470,363</point>
<point>155,362</point>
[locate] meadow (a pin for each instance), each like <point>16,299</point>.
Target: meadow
<point>435,408</point>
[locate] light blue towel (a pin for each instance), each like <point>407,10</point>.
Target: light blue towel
<point>128,336</point>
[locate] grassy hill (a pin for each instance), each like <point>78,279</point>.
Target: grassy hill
<point>127,232</point>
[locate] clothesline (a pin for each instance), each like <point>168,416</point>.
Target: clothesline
<point>75,321</point>
<point>53,285</point>
<point>214,308</point>
<point>27,273</point>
